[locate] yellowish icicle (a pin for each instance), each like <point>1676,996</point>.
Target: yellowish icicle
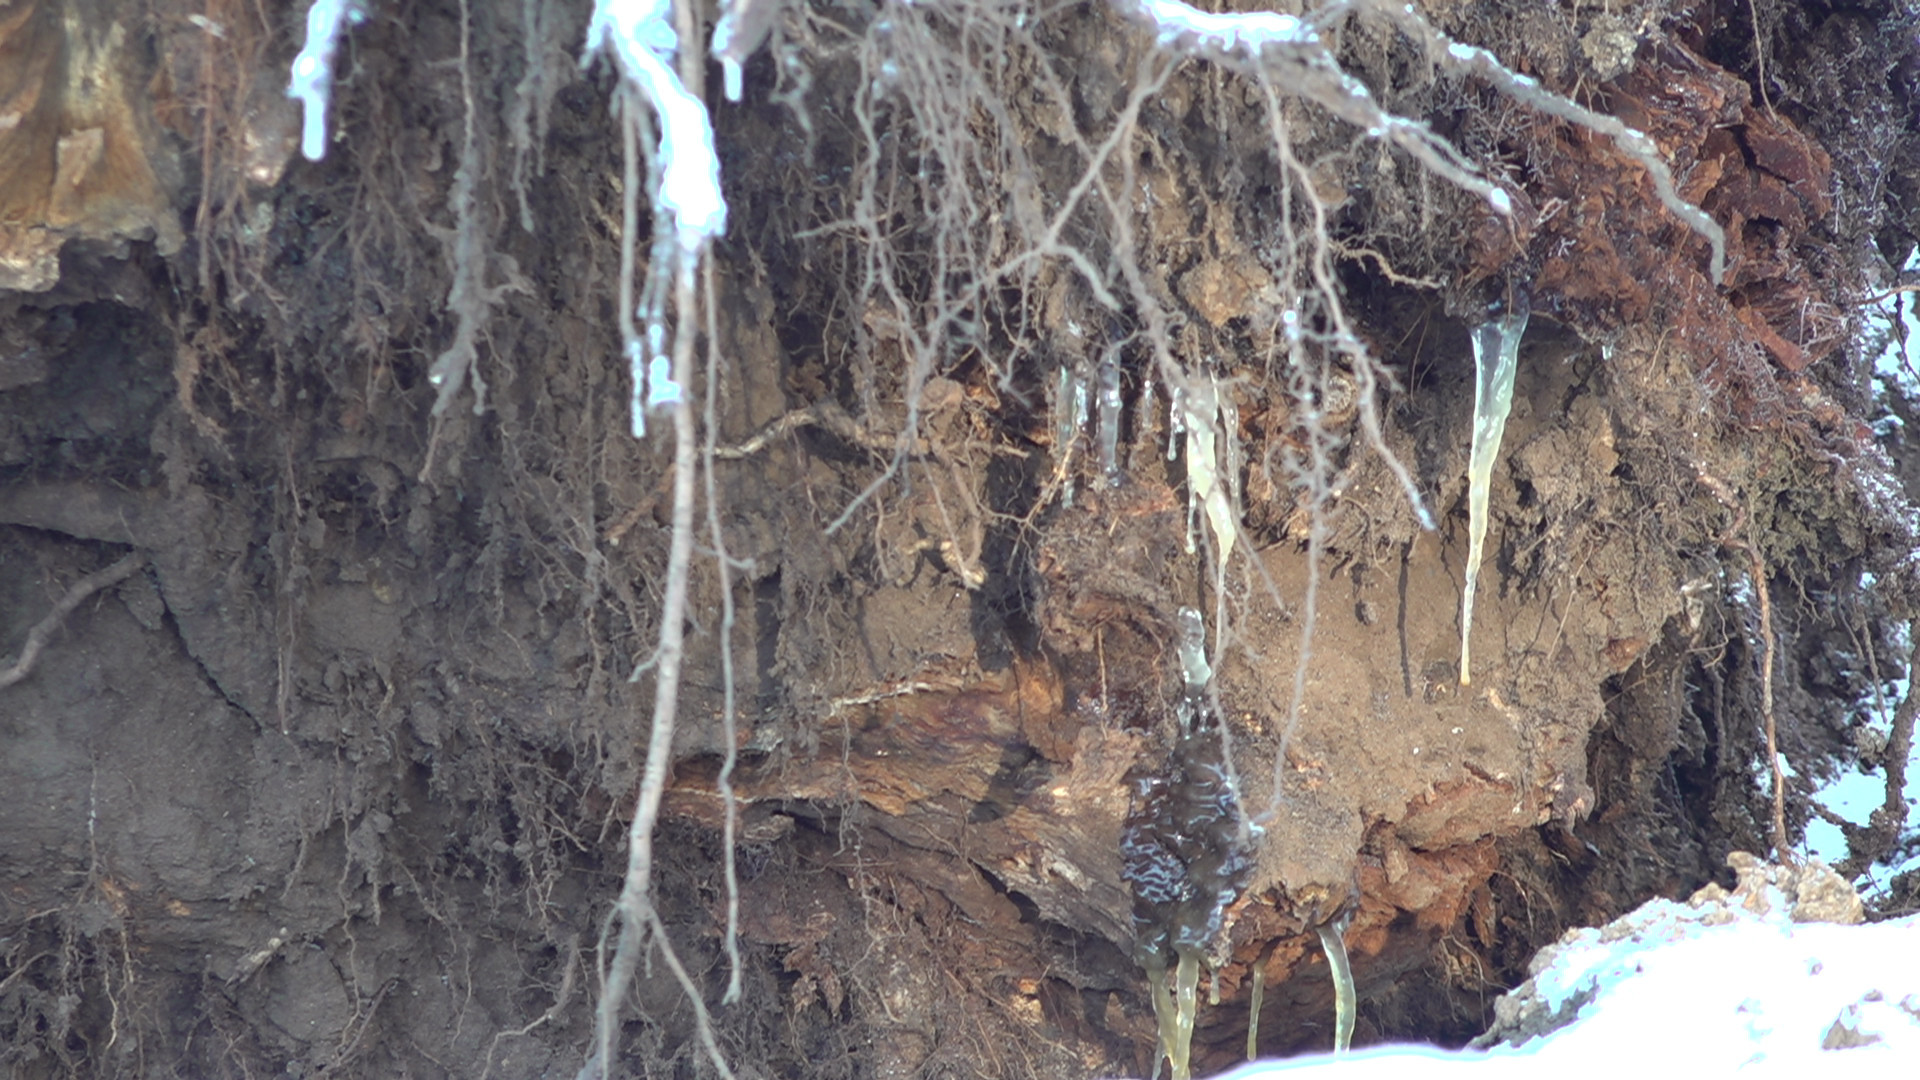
<point>1333,940</point>
<point>1163,1011</point>
<point>1186,1002</point>
<point>1253,1010</point>
<point>1496,356</point>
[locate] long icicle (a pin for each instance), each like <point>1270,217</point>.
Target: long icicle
<point>1333,940</point>
<point>1253,1008</point>
<point>1496,356</point>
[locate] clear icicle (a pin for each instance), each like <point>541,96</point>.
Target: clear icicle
<point>1069,416</point>
<point>1186,1003</point>
<point>1110,408</point>
<point>1496,357</point>
<point>1253,1008</point>
<point>1144,431</point>
<point>1176,424</point>
<point>1193,652</point>
<point>1206,484</point>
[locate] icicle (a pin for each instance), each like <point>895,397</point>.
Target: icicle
<point>1163,1013</point>
<point>1069,416</point>
<point>1496,356</point>
<point>743,26</point>
<point>1186,1003</point>
<point>1253,1008</point>
<point>1110,403</point>
<point>640,36</point>
<point>1193,653</point>
<point>312,81</point>
<point>1176,424</point>
<point>1206,487</point>
<point>1333,940</point>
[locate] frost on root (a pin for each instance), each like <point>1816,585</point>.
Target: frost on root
<point>470,299</point>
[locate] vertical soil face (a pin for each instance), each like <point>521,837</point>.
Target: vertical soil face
<point>331,773</point>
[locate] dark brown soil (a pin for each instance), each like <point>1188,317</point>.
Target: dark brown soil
<point>336,781</point>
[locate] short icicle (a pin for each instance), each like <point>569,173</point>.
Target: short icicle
<point>1186,1003</point>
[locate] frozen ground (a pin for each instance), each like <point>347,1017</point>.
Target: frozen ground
<point>1748,981</point>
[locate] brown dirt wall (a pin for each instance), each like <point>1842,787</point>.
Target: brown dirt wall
<point>337,780</point>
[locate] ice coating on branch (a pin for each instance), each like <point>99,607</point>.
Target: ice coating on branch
<point>312,83</point>
<point>1229,32</point>
<point>644,43</point>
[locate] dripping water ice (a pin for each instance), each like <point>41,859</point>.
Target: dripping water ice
<point>1185,853</point>
<point>1333,939</point>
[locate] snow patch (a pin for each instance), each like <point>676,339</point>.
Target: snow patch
<point>1725,981</point>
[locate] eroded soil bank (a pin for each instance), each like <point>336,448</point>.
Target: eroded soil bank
<point>334,776</point>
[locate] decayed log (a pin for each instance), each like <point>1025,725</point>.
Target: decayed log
<point>80,153</point>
